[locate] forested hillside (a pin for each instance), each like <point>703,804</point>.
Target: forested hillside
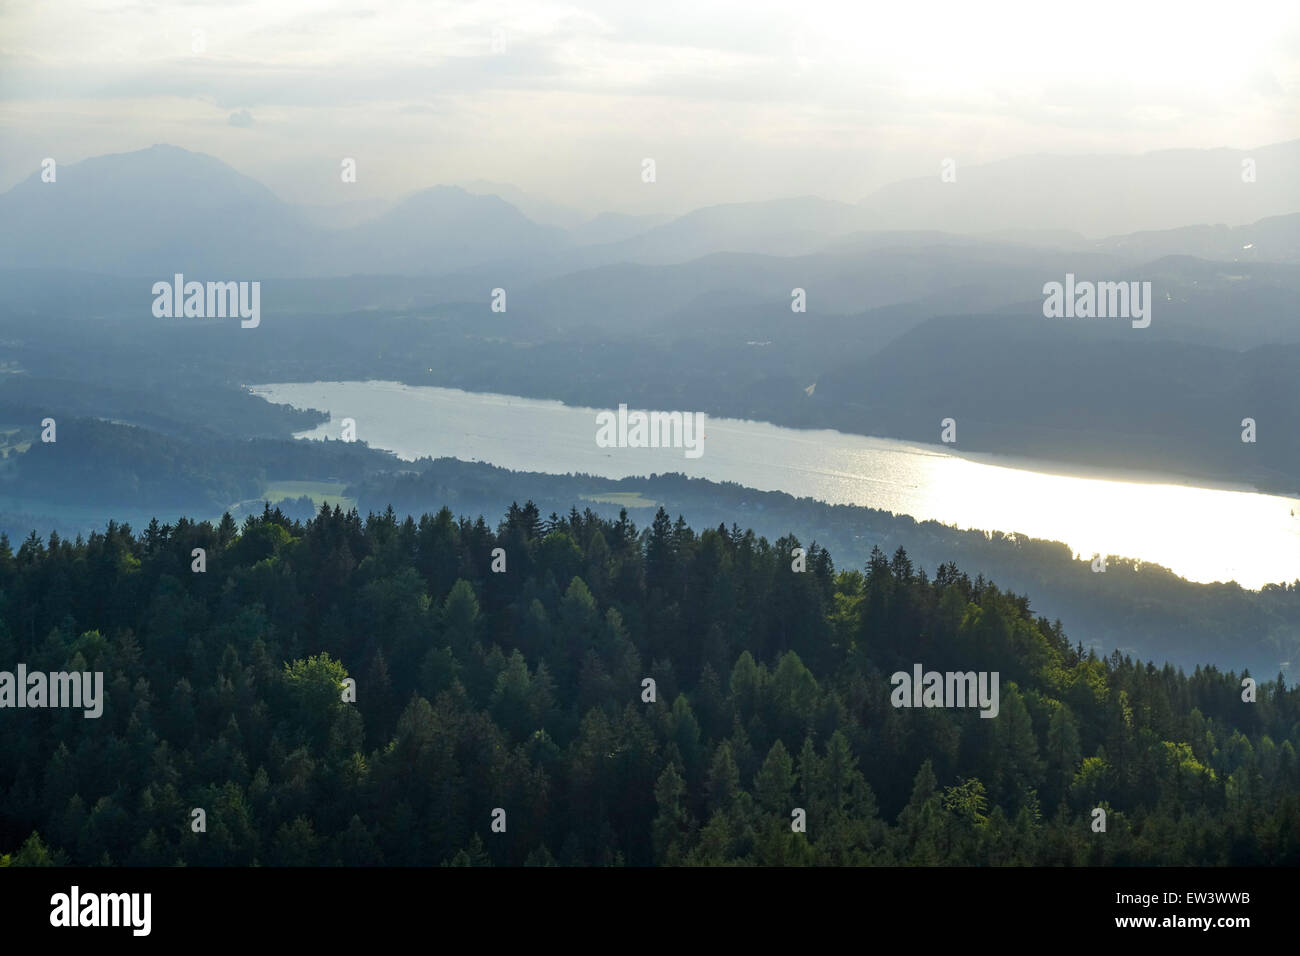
<point>522,689</point>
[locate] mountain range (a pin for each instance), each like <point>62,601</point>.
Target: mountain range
<point>164,209</point>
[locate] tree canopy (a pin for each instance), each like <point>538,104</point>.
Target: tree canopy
<point>525,690</point>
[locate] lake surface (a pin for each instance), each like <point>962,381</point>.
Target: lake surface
<point>1203,534</point>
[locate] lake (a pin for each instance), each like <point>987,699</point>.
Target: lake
<point>1202,533</point>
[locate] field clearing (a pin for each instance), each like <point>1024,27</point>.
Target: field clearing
<point>321,492</point>
<point>624,499</point>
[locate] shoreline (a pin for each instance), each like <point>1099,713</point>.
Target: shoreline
<point>1056,467</point>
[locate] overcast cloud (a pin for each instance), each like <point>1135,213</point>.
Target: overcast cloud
<point>734,100</point>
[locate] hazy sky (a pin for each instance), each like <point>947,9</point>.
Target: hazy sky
<point>734,99</point>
